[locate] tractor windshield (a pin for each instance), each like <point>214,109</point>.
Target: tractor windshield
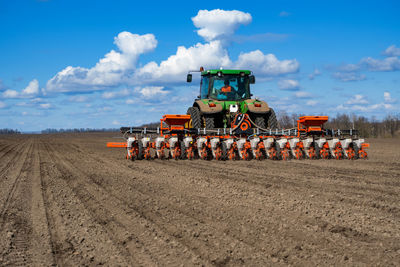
<point>229,87</point>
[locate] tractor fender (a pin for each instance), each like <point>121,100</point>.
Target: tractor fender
<point>206,109</point>
<point>263,108</point>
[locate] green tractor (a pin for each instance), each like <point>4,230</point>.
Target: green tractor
<point>225,93</point>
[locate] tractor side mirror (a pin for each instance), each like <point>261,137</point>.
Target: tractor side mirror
<point>252,79</point>
<point>189,78</point>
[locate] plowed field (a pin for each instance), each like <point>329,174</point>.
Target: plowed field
<point>69,200</point>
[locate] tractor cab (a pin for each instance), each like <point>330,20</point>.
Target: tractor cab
<point>225,85</point>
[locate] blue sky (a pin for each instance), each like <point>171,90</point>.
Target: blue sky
<point>74,64</point>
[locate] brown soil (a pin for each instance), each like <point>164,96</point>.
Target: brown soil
<point>69,200</point>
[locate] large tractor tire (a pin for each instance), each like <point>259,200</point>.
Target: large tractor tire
<point>195,115</point>
<point>209,122</point>
<point>259,120</point>
<point>271,120</point>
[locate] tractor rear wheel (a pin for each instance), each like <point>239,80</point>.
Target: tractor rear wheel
<point>195,115</point>
<point>272,121</point>
<point>259,120</point>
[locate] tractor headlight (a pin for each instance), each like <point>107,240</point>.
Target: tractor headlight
<point>233,108</point>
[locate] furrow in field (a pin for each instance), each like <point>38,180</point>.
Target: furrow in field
<point>155,245</point>
<point>76,238</point>
<point>15,223</point>
<point>41,248</point>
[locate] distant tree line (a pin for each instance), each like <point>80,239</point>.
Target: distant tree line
<point>78,130</point>
<point>9,131</point>
<point>388,127</point>
<point>151,125</point>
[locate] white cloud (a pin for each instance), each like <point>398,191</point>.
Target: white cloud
<point>284,14</point>
<point>387,64</point>
<point>381,105</point>
<point>176,66</point>
<point>392,51</point>
<point>388,98</point>
<point>104,109</point>
<point>364,108</point>
<point>311,103</point>
<point>266,65</point>
<point>111,70</point>
<point>134,44</point>
<point>342,107</point>
<point>152,91</point>
<point>350,72</point>
<point>217,24</point>
<point>159,99</point>
<point>30,113</point>
<point>37,100</point>
<point>357,99</point>
<point>360,103</point>
<point>349,76</point>
<point>32,89</point>
<point>45,106</point>
<point>349,67</point>
<point>302,94</point>
<point>130,101</point>
<point>2,104</point>
<point>314,74</point>
<point>288,85</point>
<point>10,94</point>
<point>78,98</point>
<point>116,94</point>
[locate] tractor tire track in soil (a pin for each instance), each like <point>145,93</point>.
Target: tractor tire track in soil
<point>13,206</point>
<point>66,199</point>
